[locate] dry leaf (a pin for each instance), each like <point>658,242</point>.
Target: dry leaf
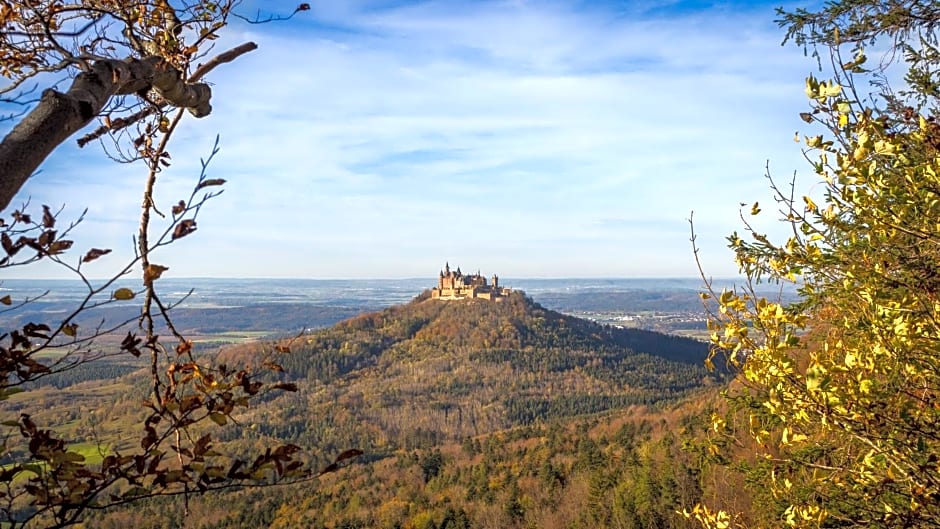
<point>153,272</point>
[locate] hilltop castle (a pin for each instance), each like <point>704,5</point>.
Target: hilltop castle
<point>455,285</point>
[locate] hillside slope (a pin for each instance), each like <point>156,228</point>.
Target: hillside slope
<point>430,371</point>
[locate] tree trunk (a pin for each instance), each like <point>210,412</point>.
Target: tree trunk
<point>59,115</point>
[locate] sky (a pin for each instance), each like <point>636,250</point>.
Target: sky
<point>549,138</point>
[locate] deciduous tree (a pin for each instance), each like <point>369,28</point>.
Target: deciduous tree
<point>841,395</point>
<point>135,68</point>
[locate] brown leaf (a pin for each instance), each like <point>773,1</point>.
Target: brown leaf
<point>33,367</point>
<point>37,330</point>
<point>210,182</point>
<point>179,208</point>
<point>247,385</point>
<point>70,330</point>
<point>184,228</point>
<point>47,237</point>
<point>27,241</point>
<point>8,245</point>
<point>59,247</point>
<point>202,445</point>
<point>28,425</point>
<point>190,402</point>
<point>153,272</point>
<point>6,300</point>
<point>284,452</point>
<point>48,220</point>
<point>185,346</point>
<point>233,472</point>
<point>150,439</point>
<point>272,366</point>
<point>130,344</point>
<point>93,254</point>
<point>348,454</point>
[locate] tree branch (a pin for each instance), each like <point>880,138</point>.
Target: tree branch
<point>126,121</point>
<point>59,115</point>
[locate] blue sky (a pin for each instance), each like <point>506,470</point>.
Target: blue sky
<point>369,139</point>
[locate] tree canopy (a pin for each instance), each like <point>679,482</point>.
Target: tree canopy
<point>840,388</point>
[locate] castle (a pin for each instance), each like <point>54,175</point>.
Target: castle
<point>455,285</point>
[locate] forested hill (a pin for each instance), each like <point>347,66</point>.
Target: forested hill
<point>516,323</point>
<point>430,371</point>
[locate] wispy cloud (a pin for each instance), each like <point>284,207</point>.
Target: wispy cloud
<point>526,138</point>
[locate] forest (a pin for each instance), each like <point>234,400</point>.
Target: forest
<point>628,469</point>
<point>468,407</point>
<point>812,406</point>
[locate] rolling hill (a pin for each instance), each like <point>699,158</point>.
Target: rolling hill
<point>472,414</point>
<point>430,371</point>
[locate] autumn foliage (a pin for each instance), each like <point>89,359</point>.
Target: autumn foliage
<point>841,399</point>
<point>135,68</point>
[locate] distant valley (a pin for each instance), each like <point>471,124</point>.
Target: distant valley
<point>256,307</point>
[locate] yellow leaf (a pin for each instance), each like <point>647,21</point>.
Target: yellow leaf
<point>123,294</point>
<point>850,360</point>
<point>810,205</point>
<point>830,90</point>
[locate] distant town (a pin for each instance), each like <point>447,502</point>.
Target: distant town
<point>682,323</point>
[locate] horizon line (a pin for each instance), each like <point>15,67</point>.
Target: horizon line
<point>410,278</point>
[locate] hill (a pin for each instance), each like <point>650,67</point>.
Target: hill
<point>473,414</point>
<point>430,371</point>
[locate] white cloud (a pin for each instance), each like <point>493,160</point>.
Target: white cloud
<point>502,132</point>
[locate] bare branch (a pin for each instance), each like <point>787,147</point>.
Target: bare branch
<point>273,18</point>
